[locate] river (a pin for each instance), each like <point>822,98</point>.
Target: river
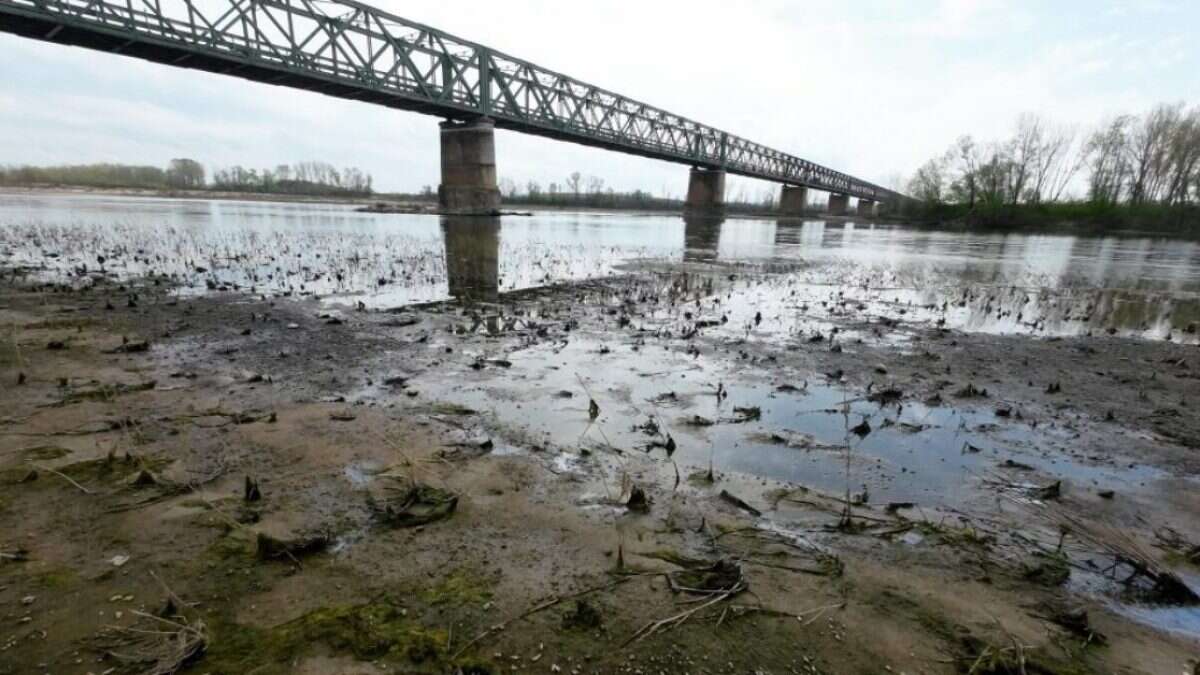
<point>1040,284</point>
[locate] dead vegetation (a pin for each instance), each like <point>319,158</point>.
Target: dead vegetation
<point>405,503</point>
<point>1132,565</point>
<point>156,644</point>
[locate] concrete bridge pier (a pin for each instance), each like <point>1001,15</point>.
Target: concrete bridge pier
<point>469,168</point>
<point>866,207</point>
<point>706,192</point>
<point>793,200</point>
<point>839,205</point>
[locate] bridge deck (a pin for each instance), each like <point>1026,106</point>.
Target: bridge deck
<point>353,51</point>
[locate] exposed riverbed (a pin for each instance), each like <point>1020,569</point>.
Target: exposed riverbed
<point>965,426</point>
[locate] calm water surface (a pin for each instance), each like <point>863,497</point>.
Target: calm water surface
<point>1003,283</point>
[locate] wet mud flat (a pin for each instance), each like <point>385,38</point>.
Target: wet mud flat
<point>686,467</point>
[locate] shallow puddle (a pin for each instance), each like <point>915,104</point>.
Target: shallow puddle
<point>782,428</point>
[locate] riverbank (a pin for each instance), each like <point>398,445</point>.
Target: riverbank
<point>1085,218</point>
<point>203,195</point>
<point>684,468</point>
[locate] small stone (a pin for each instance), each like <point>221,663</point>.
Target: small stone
<point>28,600</point>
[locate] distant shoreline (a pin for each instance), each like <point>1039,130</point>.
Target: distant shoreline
<point>202,195</point>
<point>198,195</point>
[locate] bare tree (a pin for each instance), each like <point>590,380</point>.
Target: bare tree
<point>929,183</point>
<point>1106,155</point>
<point>1022,155</point>
<point>1058,164</point>
<point>1183,157</point>
<point>595,185</point>
<point>965,155</point>
<point>1149,144</point>
<point>573,183</point>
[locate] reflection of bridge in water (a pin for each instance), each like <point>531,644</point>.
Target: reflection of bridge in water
<point>473,252</point>
<point>473,257</point>
<point>472,248</point>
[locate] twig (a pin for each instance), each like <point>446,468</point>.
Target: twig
<point>66,478</point>
<point>538,608</point>
<point>679,619</point>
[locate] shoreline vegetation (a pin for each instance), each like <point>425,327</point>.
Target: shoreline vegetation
<point>1131,172</point>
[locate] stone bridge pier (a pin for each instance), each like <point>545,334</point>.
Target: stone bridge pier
<point>866,207</point>
<point>469,168</point>
<point>706,192</point>
<point>839,205</point>
<point>793,200</point>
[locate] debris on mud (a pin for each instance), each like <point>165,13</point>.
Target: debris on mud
<point>270,547</point>
<point>1047,569</point>
<point>412,505</point>
<point>637,501</point>
<point>717,583</point>
<point>728,497</point>
<point>162,644</point>
<point>130,348</point>
<point>746,414</point>
<point>1137,569</point>
<point>15,555</point>
<point>105,392</point>
<point>251,492</point>
<point>1070,617</point>
<point>721,576</point>
<point>1170,540</point>
<point>970,391</point>
<point>583,616</point>
<point>887,396</point>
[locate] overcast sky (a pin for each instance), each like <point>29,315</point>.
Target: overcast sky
<point>869,87</point>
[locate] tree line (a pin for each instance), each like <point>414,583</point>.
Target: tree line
<point>1132,165</point>
<point>304,178</point>
<point>580,191</point>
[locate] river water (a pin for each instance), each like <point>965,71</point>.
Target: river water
<point>1002,283</point>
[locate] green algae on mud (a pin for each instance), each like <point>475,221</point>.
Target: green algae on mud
<point>461,587</point>
<point>379,630</point>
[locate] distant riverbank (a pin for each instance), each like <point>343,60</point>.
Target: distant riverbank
<point>183,194</point>
<point>390,203</point>
<point>1076,217</point>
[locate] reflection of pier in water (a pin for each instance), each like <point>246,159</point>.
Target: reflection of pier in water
<point>702,237</point>
<point>472,257</point>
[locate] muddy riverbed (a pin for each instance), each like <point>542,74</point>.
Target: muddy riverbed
<point>259,438</point>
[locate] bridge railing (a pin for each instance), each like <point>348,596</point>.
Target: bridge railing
<point>349,44</point>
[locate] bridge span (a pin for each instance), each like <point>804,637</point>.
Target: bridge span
<point>350,50</point>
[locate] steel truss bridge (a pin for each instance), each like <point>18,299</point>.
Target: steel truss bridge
<point>350,50</point>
